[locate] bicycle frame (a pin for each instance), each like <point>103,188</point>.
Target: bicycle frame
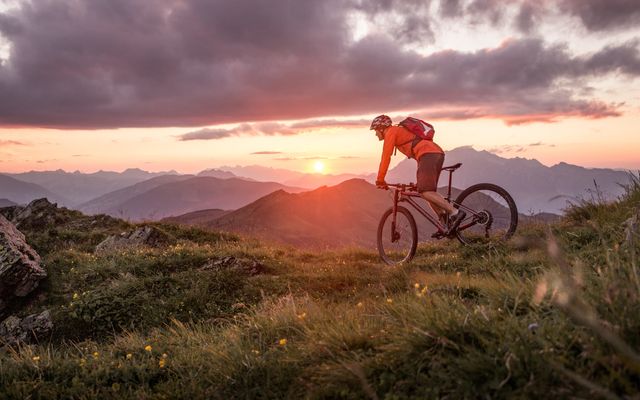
<point>401,194</point>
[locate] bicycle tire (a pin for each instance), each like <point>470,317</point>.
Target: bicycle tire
<point>509,218</point>
<point>385,253</point>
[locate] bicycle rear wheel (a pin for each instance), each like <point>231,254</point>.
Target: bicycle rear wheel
<point>397,243</point>
<point>492,215</point>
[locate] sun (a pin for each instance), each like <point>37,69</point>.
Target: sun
<point>318,167</point>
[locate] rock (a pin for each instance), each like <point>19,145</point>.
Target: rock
<point>20,270</point>
<point>14,330</point>
<point>141,236</point>
<point>251,267</point>
<point>38,213</point>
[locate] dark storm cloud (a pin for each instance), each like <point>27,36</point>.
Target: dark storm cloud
<point>601,15</point>
<point>95,64</point>
<point>594,15</point>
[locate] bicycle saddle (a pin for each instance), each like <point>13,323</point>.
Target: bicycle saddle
<point>452,167</point>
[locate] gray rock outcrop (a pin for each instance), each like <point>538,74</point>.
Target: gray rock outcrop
<point>141,236</point>
<point>38,213</point>
<point>251,267</point>
<point>14,330</point>
<point>20,270</point>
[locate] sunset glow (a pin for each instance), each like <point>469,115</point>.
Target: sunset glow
<point>556,84</point>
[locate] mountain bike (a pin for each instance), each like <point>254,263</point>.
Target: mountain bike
<point>491,216</point>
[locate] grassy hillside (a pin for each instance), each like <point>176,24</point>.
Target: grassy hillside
<point>553,313</point>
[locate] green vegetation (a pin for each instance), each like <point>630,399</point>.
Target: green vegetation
<point>553,313</point>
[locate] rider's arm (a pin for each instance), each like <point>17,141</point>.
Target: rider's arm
<point>387,149</point>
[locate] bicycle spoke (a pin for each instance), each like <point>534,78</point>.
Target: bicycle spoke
<point>397,242</point>
<point>491,215</point>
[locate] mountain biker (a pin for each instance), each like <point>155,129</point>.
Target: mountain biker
<point>430,158</point>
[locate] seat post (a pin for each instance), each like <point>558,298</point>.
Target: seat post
<point>449,189</point>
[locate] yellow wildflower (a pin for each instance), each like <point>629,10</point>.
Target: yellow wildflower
<point>416,285</point>
<point>96,354</point>
<point>129,356</point>
<point>302,316</point>
<point>282,342</point>
<point>162,363</point>
<point>36,358</point>
<point>148,348</point>
<point>389,300</point>
<point>360,305</point>
<point>76,296</point>
<point>164,355</point>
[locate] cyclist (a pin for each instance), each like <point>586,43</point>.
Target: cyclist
<point>430,158</point>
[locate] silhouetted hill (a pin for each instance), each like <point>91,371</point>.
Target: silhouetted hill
<point>80,187</point>
<point>343,215</point>
<point>534,186</point>
<point>6,203</point>
<point>288,177</point>
<point>22,192</point>
<point>110,203</point>
<point>216,173</point>
<point>192,194</point>
<point>197,218</point>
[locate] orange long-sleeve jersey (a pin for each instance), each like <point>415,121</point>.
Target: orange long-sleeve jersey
<point>400,137</point>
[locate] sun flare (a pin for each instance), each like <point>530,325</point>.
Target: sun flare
<point>318,167</point>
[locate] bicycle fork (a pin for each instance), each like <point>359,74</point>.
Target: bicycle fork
<point>394,234</point>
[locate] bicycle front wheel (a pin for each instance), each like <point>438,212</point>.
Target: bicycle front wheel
<point>492,215</point>
<point>397,241</point>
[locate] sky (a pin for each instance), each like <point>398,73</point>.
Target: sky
<point>193,84</point>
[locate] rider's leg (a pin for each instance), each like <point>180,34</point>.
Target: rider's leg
<point>439,204</point>
<point>429,167</point>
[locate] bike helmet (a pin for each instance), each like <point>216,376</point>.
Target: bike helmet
<point>380,122</point>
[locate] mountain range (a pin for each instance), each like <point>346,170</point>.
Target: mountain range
<point>346,214</point>
<point>136,194</point>
<point>173,195</point>
<point>535,187</point>
<point>78,187</point>
<point>20,192</point>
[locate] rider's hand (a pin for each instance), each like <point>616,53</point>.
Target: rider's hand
<point>381,184</point>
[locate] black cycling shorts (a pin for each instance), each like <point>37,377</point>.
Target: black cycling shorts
<point>429,166</point>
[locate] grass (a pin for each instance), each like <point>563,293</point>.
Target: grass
<point>552,313</point>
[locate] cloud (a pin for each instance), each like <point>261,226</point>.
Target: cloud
<point>509,148</point>
<point>285,158</point>
<point>525,15</point>
<point>265,129</point>
<point>270,129</point>
<point>266,152</point>
<point>330,123</point>
<point>604,15</point>
<point>301,158</point>
<point>6,143</point>
<point>193,63</point>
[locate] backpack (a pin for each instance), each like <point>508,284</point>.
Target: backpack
<point>421,129</point>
